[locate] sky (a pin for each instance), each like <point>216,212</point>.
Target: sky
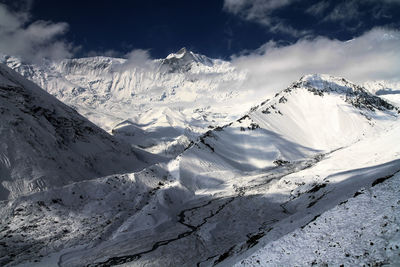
<point>217,28</point>
<point>347,35</point>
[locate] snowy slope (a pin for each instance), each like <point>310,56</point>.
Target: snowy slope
<point>363,230</point>
<point>184,91</point>
<point>235,190</point>
<point>317,114</point>
<point>46,144</point>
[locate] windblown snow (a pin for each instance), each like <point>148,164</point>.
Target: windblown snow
<point>187,168</point>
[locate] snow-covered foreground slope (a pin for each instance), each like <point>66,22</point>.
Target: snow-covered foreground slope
<point>181,95</point>
<point>235,190</point>
<point>360,217</point>
<point>46,144</point>
<point>363,230</point>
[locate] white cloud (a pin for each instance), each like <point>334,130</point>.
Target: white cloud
<point>373,56</point>
<point>10,21</point>
<point>261,11</point>
<point>32,40</point>
<point>347,14</point>
<point>255,10</point>
<point>318,9</point>
<point>354,9</point>
<point>345,11</point>
<point>138,59</point>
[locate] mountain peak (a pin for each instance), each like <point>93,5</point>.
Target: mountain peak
<point>183,52</point>
<point>327,82</point>
<point>358,96</point>
<point>321,83</point>
<point>183,59</point>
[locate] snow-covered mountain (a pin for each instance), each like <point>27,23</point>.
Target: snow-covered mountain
<point>184,60</point>
<point>317,114</point>
<point>163,106</point>
<point>292,164</point>
<point>185,92</point>
<point>46,144</point>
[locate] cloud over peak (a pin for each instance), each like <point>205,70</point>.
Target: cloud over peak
<point>375,55</point>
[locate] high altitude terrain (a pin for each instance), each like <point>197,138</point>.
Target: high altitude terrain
<point>163,104</point>
<point>308,176</point>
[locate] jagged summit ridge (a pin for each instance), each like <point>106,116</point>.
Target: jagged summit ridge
<point>356,95</point>
<point>183,60</point>
<point>180,54</point>
<point>326,82</point>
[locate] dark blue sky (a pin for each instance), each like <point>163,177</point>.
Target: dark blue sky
<point>205,26</point>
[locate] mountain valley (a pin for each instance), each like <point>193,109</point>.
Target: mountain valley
<point>178,164</point>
